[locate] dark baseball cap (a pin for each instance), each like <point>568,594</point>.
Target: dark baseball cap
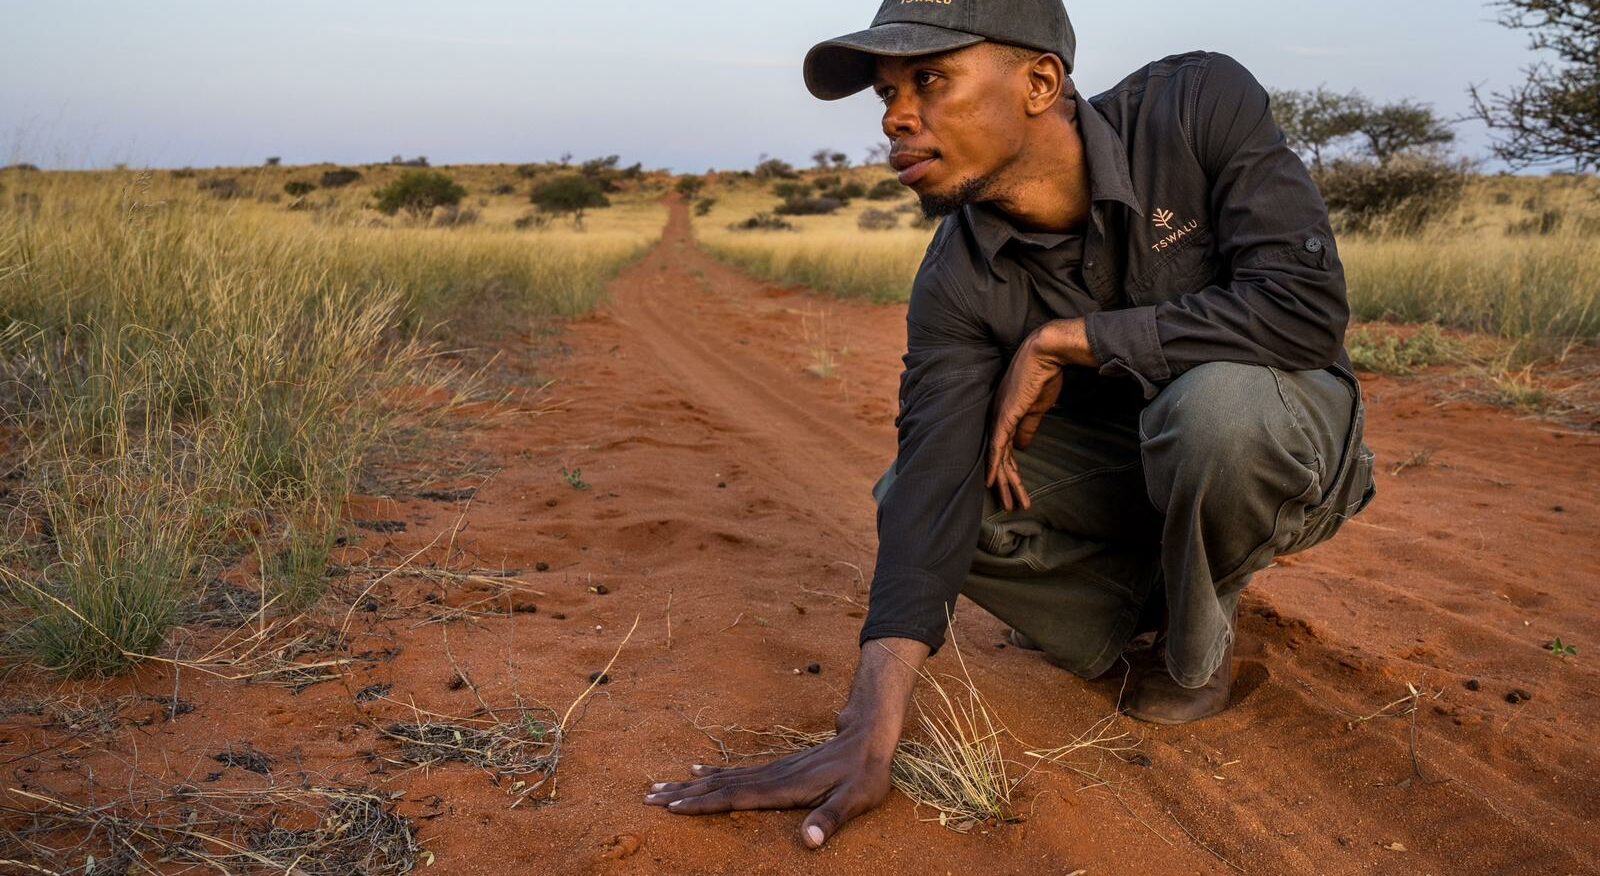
<point>906,28</point>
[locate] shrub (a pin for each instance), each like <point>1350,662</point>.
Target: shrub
<point>572,193</point>
<point>1387,352</point>
<point>529,171</point>
<point>826,181</point>
<point>419,192</point>
<point>223,188</point>
<point>455,216</point>
<point>808,207</point>
<point>297,188</point>
<point>775,168</point>
<point>419,161</point>
<point>183,173</point>
<point>603,171</point>
<point>886,190</point>
<point>533,220</point>
<point>504,189</point>
<point>274,161</point>
<point>1547,222</point>
<point>845,192</point>
<point>21,166</point>
<point>338,179</point>
<point>877,220</point>
<point>762,222</point>
<point>689,186</point>
<point>1401,195</point>
<point>703,206</point>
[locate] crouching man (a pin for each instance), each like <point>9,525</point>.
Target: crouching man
<point>1125,387</point>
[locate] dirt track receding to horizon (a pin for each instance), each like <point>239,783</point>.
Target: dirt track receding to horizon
<point>728,508</point>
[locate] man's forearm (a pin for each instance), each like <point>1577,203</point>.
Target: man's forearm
<point>881,692</point>
<point>1064,341</point>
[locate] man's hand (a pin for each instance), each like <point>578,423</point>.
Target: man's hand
<point>1031,387</point>
<point>837,780</point>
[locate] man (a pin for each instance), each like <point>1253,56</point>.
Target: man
<point>1125,388</point>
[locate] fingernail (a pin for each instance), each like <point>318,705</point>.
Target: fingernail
<point>673,803</point>
<point>658,786</point>
<point>814,834</point>
<point>650,797</point>
<point>699,766</point>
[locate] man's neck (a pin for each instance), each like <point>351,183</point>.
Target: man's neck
<point>1047,186</point>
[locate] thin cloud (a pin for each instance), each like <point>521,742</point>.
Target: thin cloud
<point>766,63</point>
<point>1315,51</point>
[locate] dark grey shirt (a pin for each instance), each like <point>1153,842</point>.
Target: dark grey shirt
<point>1207,241</point>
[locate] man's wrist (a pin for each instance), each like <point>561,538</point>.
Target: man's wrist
<point>1065,342</point>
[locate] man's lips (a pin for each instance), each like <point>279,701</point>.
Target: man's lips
<point>912,166</point>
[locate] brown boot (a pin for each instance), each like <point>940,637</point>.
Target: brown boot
<point>1160,700</point>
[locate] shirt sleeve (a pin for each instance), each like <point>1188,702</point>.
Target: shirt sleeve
<point>1284,304</point>
<point>928,517</point>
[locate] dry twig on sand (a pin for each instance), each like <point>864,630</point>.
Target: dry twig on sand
<point>309,831</point>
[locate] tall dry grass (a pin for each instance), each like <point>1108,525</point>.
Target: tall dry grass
<point>1520,258</point>
<point>828,253</point>
<point>188,380</point>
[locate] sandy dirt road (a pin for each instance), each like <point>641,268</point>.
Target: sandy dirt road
<point>728,509</point>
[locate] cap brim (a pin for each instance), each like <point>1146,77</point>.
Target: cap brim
<point>841,67</point>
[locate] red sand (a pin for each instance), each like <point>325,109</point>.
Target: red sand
<point>728,481</point>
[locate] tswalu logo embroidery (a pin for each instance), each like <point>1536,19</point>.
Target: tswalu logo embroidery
<point>1163,219</point>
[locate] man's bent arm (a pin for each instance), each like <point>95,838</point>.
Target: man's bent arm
<point>1285,303</point>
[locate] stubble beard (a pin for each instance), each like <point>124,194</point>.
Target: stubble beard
<point>970,191</point>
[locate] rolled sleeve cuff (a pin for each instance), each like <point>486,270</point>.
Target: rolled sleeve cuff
<point>1125,343</point>
<point>909,605</point>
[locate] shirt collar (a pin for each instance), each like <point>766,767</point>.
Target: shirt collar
<point>1109,180</point>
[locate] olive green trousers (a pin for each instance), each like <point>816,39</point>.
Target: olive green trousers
<point>1182,499</point>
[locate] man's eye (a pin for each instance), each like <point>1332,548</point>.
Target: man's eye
<point>885,95</point>
<point>925,78</point>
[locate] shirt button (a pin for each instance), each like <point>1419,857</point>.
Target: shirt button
<point>1313,244</point>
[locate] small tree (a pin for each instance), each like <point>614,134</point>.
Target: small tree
<point>689,186</point>
<point>1554,115</point>
<point>839,160</point>
<point>1405,125</point>
<point>419,193</point>
<point>298,188</point>
<point>274,161</point>
<point>1315,121</point>
<point>877,153</point>
<point>774,168</point>
<point>820,158</point>
<point>570,193</point>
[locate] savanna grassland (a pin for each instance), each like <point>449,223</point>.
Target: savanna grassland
<point>1505,281</point>
<point>331,543</point>
<point>194,366</point>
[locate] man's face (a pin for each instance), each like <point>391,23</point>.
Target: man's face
<point>954,121</point>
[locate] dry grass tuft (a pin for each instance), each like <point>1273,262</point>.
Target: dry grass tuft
<point>955,762</point>
<point>310,831</point>
<point>528,744</point>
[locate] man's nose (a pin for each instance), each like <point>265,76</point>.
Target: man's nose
<point>901,119</point>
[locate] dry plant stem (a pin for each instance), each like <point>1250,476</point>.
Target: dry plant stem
<point>1197,841</point>
<point>563,726</point>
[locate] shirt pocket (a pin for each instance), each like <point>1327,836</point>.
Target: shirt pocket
<point>1186,266</point>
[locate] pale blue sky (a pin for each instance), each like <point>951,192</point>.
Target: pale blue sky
<point>688,85</point>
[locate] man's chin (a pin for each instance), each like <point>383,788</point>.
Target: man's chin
<point>943,202</point>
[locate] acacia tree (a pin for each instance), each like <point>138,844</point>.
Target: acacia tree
<point>1314,121</point>
<point>572,193</point>
<point>1392,128</point>
<point>1554,115</point>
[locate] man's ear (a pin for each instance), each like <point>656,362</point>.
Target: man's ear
<point>1048,84</point>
